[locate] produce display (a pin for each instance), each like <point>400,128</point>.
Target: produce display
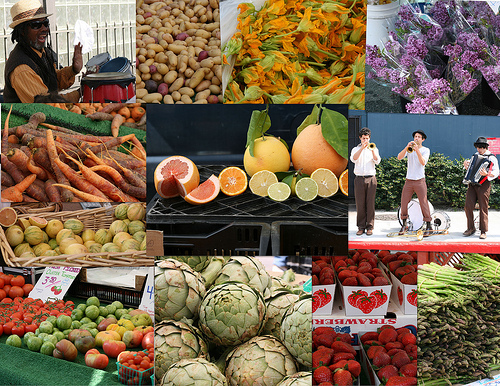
<point>458,321</point>
<point>223,319</point>
<point>359,269</point>
<point>297,52</point>
<point>178,52</point>
<point>318,157</point>
<point>44,164</point>
<point>36,241</point>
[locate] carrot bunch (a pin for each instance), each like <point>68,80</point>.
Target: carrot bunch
<point>58,164</point>
<point>300,51</point>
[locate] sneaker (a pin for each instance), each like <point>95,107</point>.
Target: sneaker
<point>469,232</point>
<point>483,235</point>
<point>369,232</point>
<point>360,232</point>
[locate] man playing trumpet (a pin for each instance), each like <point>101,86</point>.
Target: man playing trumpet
<point>417,156</point>
<point>365,156</point>
<point>479,185</point>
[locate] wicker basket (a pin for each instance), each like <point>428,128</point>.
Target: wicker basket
<point>34,208</point>
<point>92,219</point>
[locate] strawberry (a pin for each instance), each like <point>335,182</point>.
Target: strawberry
<point>324,339</point>
<point>412,298</point>
<point>342,378</point>
<point>400,296</point>
<point>324,296</point>
<point>377,272</point>
<point>386,372</point>
<point>407,339</point>
<point>391,345</point>
<point>400,359</point>
<point>411,278</point>
<point>381,359</point>
<point>380,280</point>
<point>370,277</point>
<point>315,280</point>
<point>380,296</point>
<point>409,370</point>
<point>339,264</point>
<point>316,269</point>
<point>363,280</point>
<point>366,303</point>
<point>403,330</point>
<point>373,343</point>
<point>411,350</point>
<point>350,281</point>
<point>401,381</point>
<point>354,368</point>
<point>339,346</point>
<point>322,357</point>
<point>325,384</point>
<point>345,337</point>
<point>369,336</point>
<point>341,356</point>
<point>373,350</point>
<point>387,335</point>
<point>328,280</point>
<point>345,274</point>
<point>382,254</point>
<point>393,351</point>
<point>353,298</point>
<point>338,365</point>
<point>322,374</point>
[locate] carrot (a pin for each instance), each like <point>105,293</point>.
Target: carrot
<point>18,158</point>
<point>5,137</point>
<point>120,181</point>
<point>130,120</point>
<point>13,139</point>
<point>126,160</point>
<point>40,173</point>
<point>41,157</point>
<point>7,180</point>
<point>117,121</point>
<point>68,134</point>
<point>52,191</point>
<point>60,176</point>
<point>15,193</point>
<point>124,111</point>
<point>112,107</point>
<point>106,145</point>
<point>76,109</point>
<point>84,196</point>
<point>137,112</point>
<point>100,116</point>
<point>33,190</point>
<point>27,198</point>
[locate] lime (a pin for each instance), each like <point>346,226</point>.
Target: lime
<point>261,181</point>
<point>306,189</point>
<point>328,183</point>
<point>279,191</point>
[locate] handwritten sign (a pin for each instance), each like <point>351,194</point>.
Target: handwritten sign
<point>54,283</point>
<point>494,145</point>
<point>148,297</point>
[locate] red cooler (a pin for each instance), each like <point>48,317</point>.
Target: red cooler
<point>108,87</point>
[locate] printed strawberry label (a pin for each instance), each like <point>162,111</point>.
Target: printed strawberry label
<point>354,297</point>
<point>400,296</point>
<point>380,297</point>
<point>324,297</point>
<point>412,298</point>
<point>366,304</point>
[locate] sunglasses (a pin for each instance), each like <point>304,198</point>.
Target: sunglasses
<point>38,24</point>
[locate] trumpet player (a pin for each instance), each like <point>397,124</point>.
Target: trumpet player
<point>365,156</point>
<point>417,156</point>
<point>479,191</point>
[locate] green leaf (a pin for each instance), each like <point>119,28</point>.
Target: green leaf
<point>260,122</point>
<point>282,175</point>
<point>311,119</point>
<point>334,130</point>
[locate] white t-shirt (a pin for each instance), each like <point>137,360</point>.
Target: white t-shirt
<point>365,164</point>
<point>416,170</point>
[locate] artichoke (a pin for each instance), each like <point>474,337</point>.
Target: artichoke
<point>296,330</point>
<point>178,291</point>
<point>175,341</point>
<point>193,372</point>
<point>277,305</point>
<point>232,313</point>
<point>246,270</point>
<point>198,263</point>
<point>262,361</point>
<point>304,378</point>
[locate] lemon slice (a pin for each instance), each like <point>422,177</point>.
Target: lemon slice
<point>261,181</point>
<point>279,191</point>
<point>328,183</point>
<point>306,189</point>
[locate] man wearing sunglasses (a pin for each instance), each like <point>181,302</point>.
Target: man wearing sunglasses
<point>31,70</point>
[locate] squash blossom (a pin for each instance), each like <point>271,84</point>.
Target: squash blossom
<point>298,51</point>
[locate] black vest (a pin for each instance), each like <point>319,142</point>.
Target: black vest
<point>17,57</point>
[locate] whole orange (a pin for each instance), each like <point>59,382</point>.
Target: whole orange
<point>310,151</point>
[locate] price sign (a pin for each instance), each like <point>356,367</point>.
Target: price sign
<point>148,297</point>
<point>54,283</point>
<point>494,145</point>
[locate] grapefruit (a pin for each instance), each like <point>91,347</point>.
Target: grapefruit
<point>205,192</point>
<point>344,183</point>
<point>176,175</point>
<point>269,154</point>
<point>8,217</point>
<point>310,151</point>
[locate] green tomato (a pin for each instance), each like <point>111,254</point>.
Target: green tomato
<point>46,327</point>
<point>47,348</point>
<point>120,312</point>
<point>37,331</point>
<point>60,335</point>
<point>77,314</point>
<point>75,324</point>
<point>94,331</point>
<point>89,325</point>
<point>99,319</point>
<point>103,311</point>
<point>14,340</point>
<point>92,312</point>
<point>85,320</point>
<point>63,322</point>
<point>81,306</point>
<point>51,338</point>
<point>52,319</point>
<point>93,301</point>
<point>42,335</point>
<point>117,304</point>
<point>34,343</point>
<point>27,336</point>
<point>111,308</point>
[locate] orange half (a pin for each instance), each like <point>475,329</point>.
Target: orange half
<point>205,192</point>
<point>233,181</point>
<point>176,175</point>
<point>344,183</point>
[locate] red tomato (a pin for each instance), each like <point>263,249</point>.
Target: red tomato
<point>17,299</point>
<point>7,279</point>
<point>96,360</point>
<point>113,348</point>
<point>148,340</point>
<point>30,328</point>
<point>1,330</point>
<point>7,328</point>
<point>2,282</point>
<point>6,288</point>
<point>3,294</point>
<point>17,280</point>
<point>18,329</point>
<point>27,289</point>
<point>15,292</point>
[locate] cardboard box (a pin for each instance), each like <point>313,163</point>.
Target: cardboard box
<point>403,295</point>
<point>366,365</point>
<point>379,296</point>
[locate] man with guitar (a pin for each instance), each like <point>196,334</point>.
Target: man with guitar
<point>481,169</point>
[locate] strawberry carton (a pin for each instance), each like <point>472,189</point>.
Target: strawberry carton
<point>323,285</point>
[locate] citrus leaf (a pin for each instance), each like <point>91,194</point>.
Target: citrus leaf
<point>260,122</point>
<point>334,130</point>
<point>311,119</point>
<point>282,175</point>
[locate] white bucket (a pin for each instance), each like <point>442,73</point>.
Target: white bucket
<point>379,17</point>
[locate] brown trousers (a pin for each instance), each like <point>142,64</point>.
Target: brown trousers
<point>364,194</point>
<point>481,194</point>
<point>420,188</point>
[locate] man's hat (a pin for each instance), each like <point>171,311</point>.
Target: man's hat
<point>26,10</point>
<point>481,141</point>
<point>421,133</point>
